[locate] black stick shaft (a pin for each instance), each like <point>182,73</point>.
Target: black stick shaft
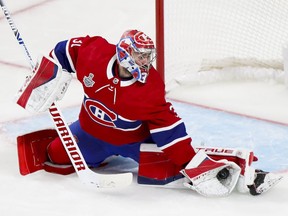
<point>16,33</point>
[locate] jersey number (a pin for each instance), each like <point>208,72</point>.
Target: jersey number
<point>76,42</point>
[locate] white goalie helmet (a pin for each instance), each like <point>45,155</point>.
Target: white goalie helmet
<point>136,52</point>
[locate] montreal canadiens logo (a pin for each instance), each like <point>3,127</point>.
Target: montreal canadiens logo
<point>143,40</point>
<point>99,113</point>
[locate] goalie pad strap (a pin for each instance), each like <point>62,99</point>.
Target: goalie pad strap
<point>59,169</point>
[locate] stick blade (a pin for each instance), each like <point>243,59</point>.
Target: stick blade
<point>89,177</point>
<point>116,180</point>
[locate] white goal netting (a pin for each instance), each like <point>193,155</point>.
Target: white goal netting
<point>210,40</point>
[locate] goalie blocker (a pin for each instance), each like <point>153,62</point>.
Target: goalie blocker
<point>47,84</point>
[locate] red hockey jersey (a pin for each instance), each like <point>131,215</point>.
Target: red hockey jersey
<point>121,111</point>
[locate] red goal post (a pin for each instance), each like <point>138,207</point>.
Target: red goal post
<point>195,37</point>
<point>159,7</point>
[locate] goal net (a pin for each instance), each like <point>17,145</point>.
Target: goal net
<point>208,40</point>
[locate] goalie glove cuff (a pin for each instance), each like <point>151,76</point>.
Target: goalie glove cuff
<point>209,177</point>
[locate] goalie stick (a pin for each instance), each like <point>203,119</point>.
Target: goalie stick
<point>86,175</point>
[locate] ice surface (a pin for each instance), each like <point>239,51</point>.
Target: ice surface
<point>47,194</point>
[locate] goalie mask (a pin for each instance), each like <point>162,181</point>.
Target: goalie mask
<point>136,52</point>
